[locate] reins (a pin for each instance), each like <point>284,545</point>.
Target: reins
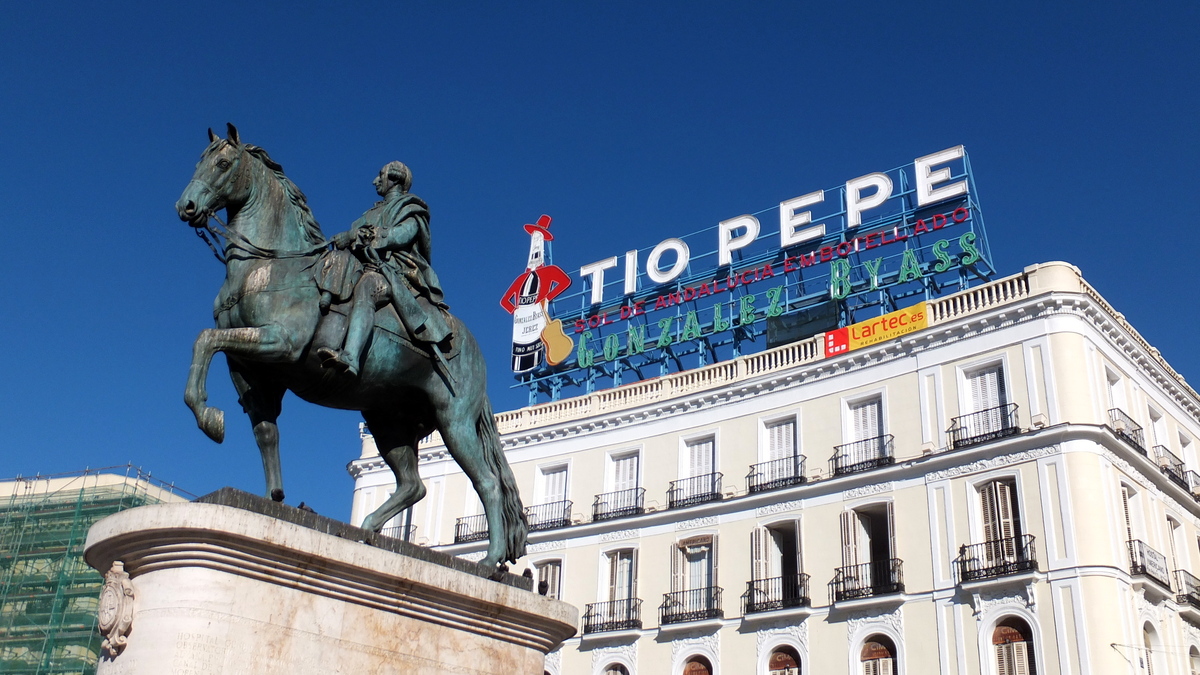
<point>235,241</point>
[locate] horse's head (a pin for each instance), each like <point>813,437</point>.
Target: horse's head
<point>217,180</point>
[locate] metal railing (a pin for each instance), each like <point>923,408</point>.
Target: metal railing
<point>764,595</point>
<point>619,504</point>
<point>470,528</point>
<point>998,558</point>
<point>601,617</point>
<point>694,605</point>
<point>983,426</point>
<point>549,516</point>
<point>879,577</point>
<point>1193,481</point>
<point>1188,589</point>
<point>399,532</point>
<point>1148,562</point>
<point>1171,466</point>
<point>862,455</point>
<point>1124,426</point>
<point>696,490</point>
<point>777,473</point>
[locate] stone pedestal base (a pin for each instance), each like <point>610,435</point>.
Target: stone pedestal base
<point>213,589</point>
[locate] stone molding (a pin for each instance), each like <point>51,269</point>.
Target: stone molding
<point>621,535</point>
<point>991,463</point>
<point>710,643</point>
<point>696,523</point>
<point>867,490</point>
<point>780,507</point>
<point>865,622</point>
<point>795,634</point>
<point>275,553</point>
<point>602,656</point>
<point>543,546</point>
<point>115,614</point>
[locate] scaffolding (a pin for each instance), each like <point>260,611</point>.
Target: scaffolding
<point>48,595</point>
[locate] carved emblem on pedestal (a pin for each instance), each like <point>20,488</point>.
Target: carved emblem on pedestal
<point>116,609</point>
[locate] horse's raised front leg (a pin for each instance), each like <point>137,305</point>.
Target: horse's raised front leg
<point>269,343</point>
<point>263,402</point>
<point>397,443</point>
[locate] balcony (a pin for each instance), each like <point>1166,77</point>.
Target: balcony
<point>697,490</point>
<point>549,516</point>
<point>1172,467</point>
<point>1193,481</point>
<point>694,605</point>
<point>470,528</point>
<point>999,558</point>
<point>604,617</point>
<point>880,577</point>
<point>1124,426</point>
<point>402,532</point>
<point>863,455</point>
<point>983,426</point>
<point>778,473</point>
<point>1145,561</point>
<point>765,595</point>
<point>1189,590</point>
<point>619,504</point>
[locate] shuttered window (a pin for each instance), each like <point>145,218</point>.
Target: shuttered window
<point>866,419</point>
<point>622,574</point>
<point>781,440</point>
<point>986,387</point>
<point>878,667</point>
<point>701,457</point>
<point>625,472</point>
<point>550,572</point>
<point>1126,495</point>
<point>554,484</point>
<point>850,536</point>
<point>1000,519</point>
<point>694,564</point>
<point>1013,659</point>
<point>775,551</point>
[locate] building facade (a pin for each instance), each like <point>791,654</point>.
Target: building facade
<point>1008,490</point>
<point>49,597</point>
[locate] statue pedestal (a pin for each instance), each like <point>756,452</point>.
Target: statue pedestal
<point>219,589</point>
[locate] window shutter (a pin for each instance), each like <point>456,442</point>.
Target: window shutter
<point>781,440</point>
<point>849,538</point>
<point>758,553</point>
<point>1020,658</point>
<point>871,667</point>
<point>625,473</point>
<point>867,417</point>
<point>891,526</point>
<point>712,577</point>
<point>678,569</point>
<point>633,573</point>
<point>885,666</point>
<point>701,457</point>
<point>987,502</point>
<point>613,576</point>
<point>555,483</point>
<point>1125,510</point>
<point>1005,517</point>
<point>1004,664</point>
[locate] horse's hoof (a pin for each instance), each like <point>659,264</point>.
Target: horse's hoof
<point>277,495</point>
<point>212,423</point>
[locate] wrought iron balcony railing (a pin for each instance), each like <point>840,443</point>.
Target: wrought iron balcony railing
<point>694,605</point>
<point>998,558</point>
<point>777,473</point>
<point>696,490</point>
<point>879,577</point>
<point>862,455</point>
<point>1124,426</point>
<point>1188,589</point>
<point>1171,466</point>
<point>470,528</point>
<point>764,595</point>
<point>1148,562</point>
<point>1193,481</point>
<point>549,516</point>
<point>619,504</point>
<point>601,617</point>
<point>983,426</point>
<point>399,532</point>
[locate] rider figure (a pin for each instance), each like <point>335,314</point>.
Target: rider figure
<point>392,241</point>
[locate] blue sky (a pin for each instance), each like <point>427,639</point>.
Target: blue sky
<point>627,122</point>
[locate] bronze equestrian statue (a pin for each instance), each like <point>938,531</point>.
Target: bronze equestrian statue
<point>361,325</point>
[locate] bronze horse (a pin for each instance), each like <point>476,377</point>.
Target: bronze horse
<point>270,324</point>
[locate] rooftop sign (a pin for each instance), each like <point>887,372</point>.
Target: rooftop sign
<point>816,262</point>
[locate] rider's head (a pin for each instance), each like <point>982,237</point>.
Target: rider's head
<point>393,173</point>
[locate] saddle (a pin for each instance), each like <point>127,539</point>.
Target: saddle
<point>336,273</point>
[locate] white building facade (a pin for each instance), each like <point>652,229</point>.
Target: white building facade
<point>1009,490</point>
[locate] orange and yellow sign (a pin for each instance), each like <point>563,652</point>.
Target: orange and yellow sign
<point>867,333</point>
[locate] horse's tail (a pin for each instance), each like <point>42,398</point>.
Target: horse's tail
<point>516,526</point>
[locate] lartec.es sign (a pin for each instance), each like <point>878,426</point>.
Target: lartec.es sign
<point>874,331</point>
<point>819,262</point>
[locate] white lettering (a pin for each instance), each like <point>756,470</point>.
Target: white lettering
<point>926,179</point>
<point>682,257</point>
<point>631,270</point>
<point>596,272</point>
<point>790,222</point>
<point>727,243</point>
<point>856,203</point>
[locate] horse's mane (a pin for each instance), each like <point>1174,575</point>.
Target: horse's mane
<point>312,229</point>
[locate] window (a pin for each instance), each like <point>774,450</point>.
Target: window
<point>1194,661</point>
<point>1013,646</point>
<point>697,665</point>
<point>775,551</point>
<point>866,419</point>
<point>701,457</point>
<point>868,535</point>
<point>625,473</point>
<point>878,656</point>
<point>1158,428</point>
<point>1116,390</point>
<point>986,388</point>
<point>694,564</point>
<point>1174,546</point>
<point>550,574</point>
<point>554,484</point>
<point>1148,660</point>
<point>1001,521</point>
<point>1129,509</point>
<point>622,574</point>
<point>781,440</point>
<point>784,661</point>
<point>616,669</point>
